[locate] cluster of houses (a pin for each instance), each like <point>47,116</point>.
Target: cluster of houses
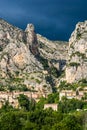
<point>69,94</point>
<point>12,97</point>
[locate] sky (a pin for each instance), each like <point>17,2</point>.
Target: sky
<point>54,19</point>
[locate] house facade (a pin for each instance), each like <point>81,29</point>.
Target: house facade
<point>53,106</point>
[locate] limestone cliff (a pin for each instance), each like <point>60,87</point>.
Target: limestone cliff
<point>27,58</point>
<point>77,54</point>
<point>31,39</point>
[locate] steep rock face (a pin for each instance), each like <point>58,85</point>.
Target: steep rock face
<point>17,60</point>
<point>14,51</point>
<point>31,39</point>
<point>54,51</point>
<point>9,34</point>
<point>77,55</point>
<point>27,58</point>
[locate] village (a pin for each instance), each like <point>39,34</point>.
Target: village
<point>69,94</point>
<point>12,97</point>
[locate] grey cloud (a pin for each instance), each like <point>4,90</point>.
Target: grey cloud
<point>54,19</point>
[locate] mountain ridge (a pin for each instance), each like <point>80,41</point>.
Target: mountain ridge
<point>27,55</point>
<point>29,59</point>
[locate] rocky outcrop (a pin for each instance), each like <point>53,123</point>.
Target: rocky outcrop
<point>77,54</point>
<point>54,51</point>
<point>15,53</point>
<point>31,39</point>
<point>27,58</point>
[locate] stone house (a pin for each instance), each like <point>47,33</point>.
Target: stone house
<point>53,106</point>
<point>12,97</point>
<point>67,93</point>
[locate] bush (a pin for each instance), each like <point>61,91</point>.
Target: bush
<point>74,64</point>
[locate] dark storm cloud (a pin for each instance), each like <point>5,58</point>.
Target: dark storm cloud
<point>54,19</point>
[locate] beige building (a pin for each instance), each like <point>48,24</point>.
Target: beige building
<point>67,93</point>
<point>12,97</point>
<point>53,106</point>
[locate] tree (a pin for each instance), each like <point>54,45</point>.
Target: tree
<point>53,98</point>
<point>68,105</point>
<point>24,101</point>
<point>30,126</point>
<point>7,107</point>
<point>71,123</point>
<point>40,104</point>
<point>10,121</point>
